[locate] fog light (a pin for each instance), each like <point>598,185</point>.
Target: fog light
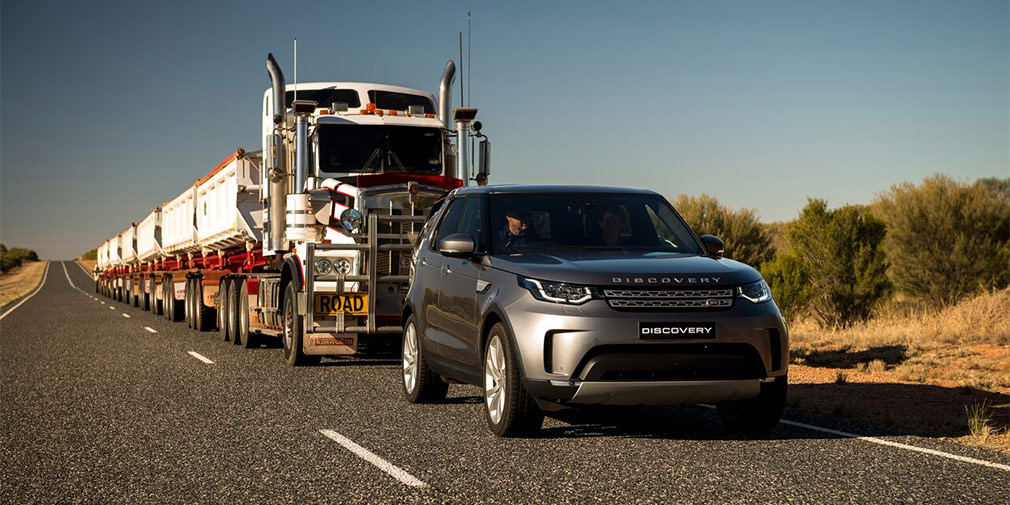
<point>342,266</point>
<point>323,266</point>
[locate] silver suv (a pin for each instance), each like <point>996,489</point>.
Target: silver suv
<point>559,296</point>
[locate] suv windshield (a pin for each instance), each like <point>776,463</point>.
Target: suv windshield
<point>375,149</point>
<point>577,222</point>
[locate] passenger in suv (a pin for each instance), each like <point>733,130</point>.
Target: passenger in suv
<point>615,302</point>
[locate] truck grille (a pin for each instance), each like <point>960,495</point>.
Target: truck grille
<point>395,262</point>
<point>667,299</point>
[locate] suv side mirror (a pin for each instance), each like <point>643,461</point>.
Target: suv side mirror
<point>457,245</point>
<point>713,245</point>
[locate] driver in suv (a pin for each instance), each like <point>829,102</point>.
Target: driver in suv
<point>559,296</point>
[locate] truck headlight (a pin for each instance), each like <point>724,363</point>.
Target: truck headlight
<point>351,220</point>
<point>755,292</point>
<point>323,266</point>
<point>558,292</point>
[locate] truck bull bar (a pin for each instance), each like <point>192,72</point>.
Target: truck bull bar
<point>371,279</point>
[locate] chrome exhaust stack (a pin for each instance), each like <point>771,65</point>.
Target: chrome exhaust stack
<point>275,161</point>
<point>445,94</point>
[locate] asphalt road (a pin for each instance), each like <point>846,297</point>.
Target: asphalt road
<point>97,409</point>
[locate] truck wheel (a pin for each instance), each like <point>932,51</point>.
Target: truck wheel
<point>758,414</point>
<point>247,339</point>
<point>145,301</point>
<point>293,332</point>
<point>508,408</point>
<point>420,384</point>
<point>224,297</point>
<point>204,315</point>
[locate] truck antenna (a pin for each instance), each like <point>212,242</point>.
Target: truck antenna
<point>462,76</point>
<point>296,69</point>
<point>469,58</point>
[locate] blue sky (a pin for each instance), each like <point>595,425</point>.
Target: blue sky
<point>109,108</point>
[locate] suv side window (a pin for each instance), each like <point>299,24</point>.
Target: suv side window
<point>450,221</point>
<point>472,221</point>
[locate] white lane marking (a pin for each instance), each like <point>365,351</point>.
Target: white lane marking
<point>370,457</point>
<point>45,273</point>
<point>90,276</point>
<point>112,308</point>
<point>103,303</point>
<point>201,358</point>
<point>152,330</point>
<point>899,445</point>
<point>126,316</point>
<point>881,441</point>
<point>64,265</point>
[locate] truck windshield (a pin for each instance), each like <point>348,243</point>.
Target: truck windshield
<point>378,149</point>
<point>579,222</point>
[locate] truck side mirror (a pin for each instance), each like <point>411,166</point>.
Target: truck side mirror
<point>484,161</point>
<point>713,245</point>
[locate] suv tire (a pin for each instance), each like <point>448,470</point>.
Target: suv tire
<point>508,408</point>
<point>420,384</point>
<point>759,414</point>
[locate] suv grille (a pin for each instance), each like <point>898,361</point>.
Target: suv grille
<point>661,299</point>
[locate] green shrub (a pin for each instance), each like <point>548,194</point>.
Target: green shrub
<point>90,255</point>
<point>790,286</point>
<point>947,240</point>
<point>12,258</point>
<point>834,267</point>
<point>745,237</point>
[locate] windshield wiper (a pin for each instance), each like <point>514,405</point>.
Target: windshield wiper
<point>396,159</point>
<point>375,154</point>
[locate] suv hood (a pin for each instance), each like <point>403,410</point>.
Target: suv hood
<point>628,269</point>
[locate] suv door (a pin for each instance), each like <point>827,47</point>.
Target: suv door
<point>428,274</point>
<point>457,290</point>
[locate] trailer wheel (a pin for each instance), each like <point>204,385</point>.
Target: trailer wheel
<point>175,310</point>
<point>242,334</point>
<point>293,331</point>
<point>203,315</point>
<point>231,317</point>
<point>145,298</point>
<point>224,299</point>
<point>156,308</point>
<point>188,303</point>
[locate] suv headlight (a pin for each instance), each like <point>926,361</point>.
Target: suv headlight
<point>755,292</point>
<point>558,292</point>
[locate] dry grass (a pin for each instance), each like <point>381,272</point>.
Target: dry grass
<point>943,374</point>
<point>21,281</point>
<point>967,344</point>
<point>88,265</point>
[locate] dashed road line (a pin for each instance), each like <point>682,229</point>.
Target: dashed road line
<point>112,308</point>
<point>152,330</point>
<point>45,273</point>
<point>126,316</point>
<point>200,357</point>
<point>393,470</point>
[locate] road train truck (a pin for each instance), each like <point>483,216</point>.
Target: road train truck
<point>309,238</point>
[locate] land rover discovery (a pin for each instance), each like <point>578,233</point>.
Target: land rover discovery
<point>560,296</point>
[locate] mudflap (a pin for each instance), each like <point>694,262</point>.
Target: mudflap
<point>330,344</point>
